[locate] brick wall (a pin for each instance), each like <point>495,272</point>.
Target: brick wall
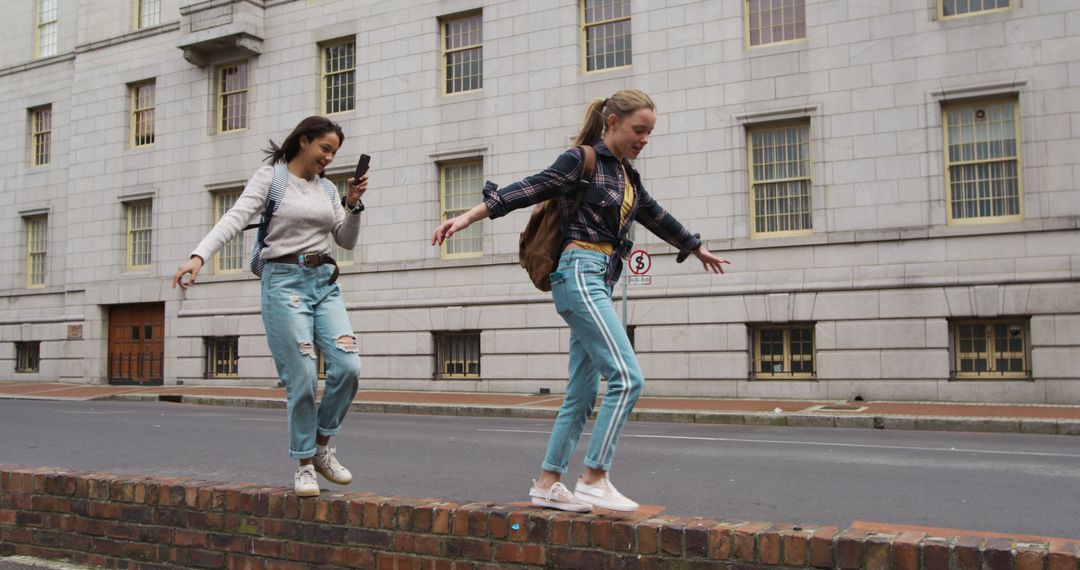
<point>153,522</point>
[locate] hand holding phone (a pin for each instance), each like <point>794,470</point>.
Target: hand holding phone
<point>361,167</point>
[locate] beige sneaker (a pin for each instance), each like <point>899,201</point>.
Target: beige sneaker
<point>326,464</point>
<point>604,495</point>
<point>304,483</point>
<point>557,497</point>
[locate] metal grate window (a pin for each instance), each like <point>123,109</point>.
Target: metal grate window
<point>41,135</point>
<point>341,255</point>
<point>232,255</point>
<point>339,77</point>
<point>784,352</point>
<point>457,354</point>
<point>780,180</point>
<point>774,21</point>
<point>27,356</point>
<point>983,158</point>
<point>991,349</point>
<point>222,356</point>
<point>47,28</point>
<point>606,34</point>
<point>463,55</point>
<point>149,13</point>
<point>232,97</point>
<point>947,8</point>
<point>460,187</point>
<point>139,232</point>
<point>37,247</point>
<point>142,113</point>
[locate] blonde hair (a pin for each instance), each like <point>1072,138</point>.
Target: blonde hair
<point>622,104</point>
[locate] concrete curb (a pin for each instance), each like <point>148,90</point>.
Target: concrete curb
<point>858,421</point>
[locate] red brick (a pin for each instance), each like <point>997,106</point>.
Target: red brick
<point>997,554</point>
<point>387,510</point>
<point>849,549</point>
<point>671,538</point>
<point>821,546</point>
<point>966,553</point>
<point>1063,555</point>
<point>441,523</point>
<point>567,558</point>
<point>721,541</point>
<point>696,538</point>
<point>600,532</point>
<point>234,562</point>
<point>268,548</point>
<point>877,552</point>
<point>104,510</point>
<point>769,547</point>
<point>795,545</point>
<point>518,526</point>
<point>356,514</point>
<point>648,539</point>
<point>579,531</point>
<point>206,559</point>
<point>746,540</point>
<point>468,548</point>
<point>622,535</point>
<point>905,551</point>
<point>404,517</point>
<point>1030,556</point>
<point>497,525</point>
<point>478,523</point>
<point>540,526</point>
<point>560,530</point>
<point>935,554</point>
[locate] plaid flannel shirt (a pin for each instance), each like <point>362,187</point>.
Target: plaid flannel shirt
<point>598,218</point>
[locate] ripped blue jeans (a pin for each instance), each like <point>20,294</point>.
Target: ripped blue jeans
<point>301,311</point>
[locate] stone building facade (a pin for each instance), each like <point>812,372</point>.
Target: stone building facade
<point>894,182</point>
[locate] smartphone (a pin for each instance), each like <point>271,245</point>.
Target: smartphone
<point>361,167</point>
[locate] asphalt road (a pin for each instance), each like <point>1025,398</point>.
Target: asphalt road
<point>1012,483</point>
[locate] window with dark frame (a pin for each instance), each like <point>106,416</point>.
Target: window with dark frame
<point>222,357</point>
<point>457,354</point>
<point>27,356</point>
<point>784,352</point>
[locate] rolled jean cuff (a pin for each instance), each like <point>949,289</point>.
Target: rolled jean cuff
<point>328,432</point>
<point>553,468</point>
<point>302,454</point>
<point>594,465</point>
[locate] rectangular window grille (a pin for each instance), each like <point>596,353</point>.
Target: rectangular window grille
<point>774,21</point>
<point>606,34</point>
<point>222,356</point>
<point>784,352</point>
<point>37,249</point>
<point>232,93</point>
<point>142,113</point>
<point>948,8</point>
<point>41,135</point>
<point>339,77</point>
<point>460,187</point>
<point>47,28</point>
<point>463,56</point>
<point>139,232</point>
<point>991,349</point>
<point>232,256</point>
<point>457,354</point>
<point>983,159</point>
<point>27,356</point>
<point>780,180</point>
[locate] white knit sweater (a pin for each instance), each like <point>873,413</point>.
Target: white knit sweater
<point>304,222</point>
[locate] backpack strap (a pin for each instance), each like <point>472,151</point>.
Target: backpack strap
<point>585,176</point>
<point>273,200</point>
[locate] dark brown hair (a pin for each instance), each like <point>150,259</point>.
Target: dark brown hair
<point>311,128</point>
<point>622,104</point>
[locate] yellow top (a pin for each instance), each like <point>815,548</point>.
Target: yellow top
<point>604,247</point>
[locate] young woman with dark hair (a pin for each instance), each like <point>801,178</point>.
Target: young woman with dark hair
<point>302,306</point>
<point>595,242</point>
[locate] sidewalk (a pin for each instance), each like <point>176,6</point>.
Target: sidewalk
<point>934,416</point>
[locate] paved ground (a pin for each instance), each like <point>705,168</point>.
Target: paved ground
<point>793,413</point>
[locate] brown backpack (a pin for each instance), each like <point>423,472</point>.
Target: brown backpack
<point>538,246</point>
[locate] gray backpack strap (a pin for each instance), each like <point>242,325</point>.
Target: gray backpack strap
<point>273,200</point>
<point>331,190</point>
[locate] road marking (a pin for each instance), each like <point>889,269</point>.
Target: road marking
<point>822,444</point>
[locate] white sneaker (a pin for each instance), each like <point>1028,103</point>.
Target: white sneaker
<point>557,497</point>
<point>604,495</point>
<point>327,465</point>
<point>304,483</point>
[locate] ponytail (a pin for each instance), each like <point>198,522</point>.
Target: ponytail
<point>622,104</point>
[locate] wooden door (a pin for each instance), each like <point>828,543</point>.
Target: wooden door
<point>136,343</point>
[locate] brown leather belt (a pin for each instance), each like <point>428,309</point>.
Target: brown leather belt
<point>309,260</point>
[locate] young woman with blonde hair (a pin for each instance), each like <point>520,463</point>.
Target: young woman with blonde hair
<point>595,241</point>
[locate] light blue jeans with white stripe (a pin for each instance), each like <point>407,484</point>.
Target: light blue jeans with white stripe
<point>598,347</point>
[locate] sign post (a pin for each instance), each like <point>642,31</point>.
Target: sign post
<point>639,264</point>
